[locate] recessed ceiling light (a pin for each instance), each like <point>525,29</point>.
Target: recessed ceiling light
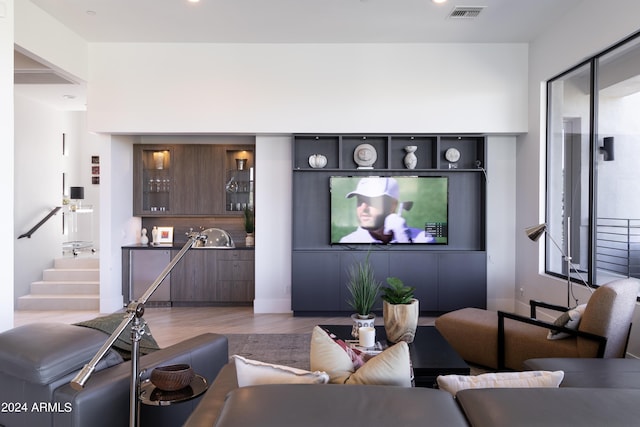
<point>91,12</point>
<point>194,1</point>
<point>439,1</point>
<point>69,96</point>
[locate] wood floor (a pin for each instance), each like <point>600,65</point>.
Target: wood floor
<point>170,325</point>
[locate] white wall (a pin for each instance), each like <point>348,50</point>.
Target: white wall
<point>288,88</point>
<point>117,226</point>
<point>6,172</point>
<point>591,27</point>
<point>46,38</point>
<point>501,222</point>
<point>273,224</point>
<point>38,187</point>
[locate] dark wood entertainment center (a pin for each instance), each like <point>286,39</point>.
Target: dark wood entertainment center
<point>446,277</point>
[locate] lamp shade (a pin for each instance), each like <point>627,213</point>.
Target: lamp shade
<point>76,193</point>
<point>534,232</point>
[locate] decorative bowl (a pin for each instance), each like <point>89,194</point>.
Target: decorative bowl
<point>172,377</point>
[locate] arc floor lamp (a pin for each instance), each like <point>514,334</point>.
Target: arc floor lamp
<point>536,231</point>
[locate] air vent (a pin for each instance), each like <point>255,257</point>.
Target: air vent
<point>466,12</point>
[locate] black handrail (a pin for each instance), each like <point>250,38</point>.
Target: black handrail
<point>38,225</point>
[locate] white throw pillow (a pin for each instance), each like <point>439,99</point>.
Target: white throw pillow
<point>569,319</point>
<point>455,383</point>
<point>252,372</point>
<point>390,367</point>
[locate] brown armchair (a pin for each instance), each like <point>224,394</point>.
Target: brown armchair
<point>502,340</point>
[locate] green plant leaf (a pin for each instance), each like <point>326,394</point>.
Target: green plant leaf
<point>397,292</point>
<point>362,286</point>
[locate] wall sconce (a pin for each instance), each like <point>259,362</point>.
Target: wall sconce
<point>607,148</point>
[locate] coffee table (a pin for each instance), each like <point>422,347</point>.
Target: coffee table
<point>431,355</point>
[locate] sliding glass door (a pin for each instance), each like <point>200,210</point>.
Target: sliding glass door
<point>617,224</point>
<point>593,168</point>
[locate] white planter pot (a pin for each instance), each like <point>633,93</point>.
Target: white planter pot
<point>361,322</point>
<point>401,320</point>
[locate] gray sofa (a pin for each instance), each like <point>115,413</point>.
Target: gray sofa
<point>38,361</point>
<point>583,399</point>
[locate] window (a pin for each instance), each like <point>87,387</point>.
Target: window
<point>593,167</point>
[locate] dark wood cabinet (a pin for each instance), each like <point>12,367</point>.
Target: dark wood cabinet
<point>446,276</point>
<point>214,276</point>
<point>153,180</point>
<point>193,277</point>
<point>201,277</point>
<point>235,278</point>
<point>239,184</point>
<point>317,288</point>
<point>443,281</point>
<point>192,179</point>
<point>199,182</point>
<point>462,280</point>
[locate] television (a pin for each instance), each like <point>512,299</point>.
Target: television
<point>389,209</point>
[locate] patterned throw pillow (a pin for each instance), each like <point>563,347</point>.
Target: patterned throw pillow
<point>390,367</point>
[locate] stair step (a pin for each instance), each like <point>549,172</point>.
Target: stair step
<point>59,302</point>
<point>77,262</point>
<point>70,274</point>
<point>64,287</point>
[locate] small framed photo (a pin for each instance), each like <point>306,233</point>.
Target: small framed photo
<point>95,170</point>
<point>95,180</point>
<point>95,160</point>
<point>165,235</point>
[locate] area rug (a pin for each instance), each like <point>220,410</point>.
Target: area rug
<point>284,349</point>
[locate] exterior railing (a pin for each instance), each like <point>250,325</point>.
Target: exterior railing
<point>618,245</point>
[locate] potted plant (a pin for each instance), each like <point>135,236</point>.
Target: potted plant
<point>249,226</point>
<point>363,289</point>
<point>400,311</point>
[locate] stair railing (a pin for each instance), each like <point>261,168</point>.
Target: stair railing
<point>42,221</point>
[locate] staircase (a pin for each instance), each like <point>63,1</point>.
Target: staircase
<point>72,284</point>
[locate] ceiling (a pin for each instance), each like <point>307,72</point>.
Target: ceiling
<point>297,21</point>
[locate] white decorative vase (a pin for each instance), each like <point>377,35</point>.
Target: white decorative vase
<point>401,320</point>
<point>410,160</point>
<point>317,161</point>
<point>249,240</point>
<point>362,322</point>
<point>144,239</point>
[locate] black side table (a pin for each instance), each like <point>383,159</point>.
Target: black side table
<point>151,395</point>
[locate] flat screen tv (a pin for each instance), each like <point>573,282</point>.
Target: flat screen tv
<point>389,210</point>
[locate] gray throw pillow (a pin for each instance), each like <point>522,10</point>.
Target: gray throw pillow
<point>569,319</point>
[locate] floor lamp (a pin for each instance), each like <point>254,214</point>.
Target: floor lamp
<point>133,316</point>
<point>535,232</point>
